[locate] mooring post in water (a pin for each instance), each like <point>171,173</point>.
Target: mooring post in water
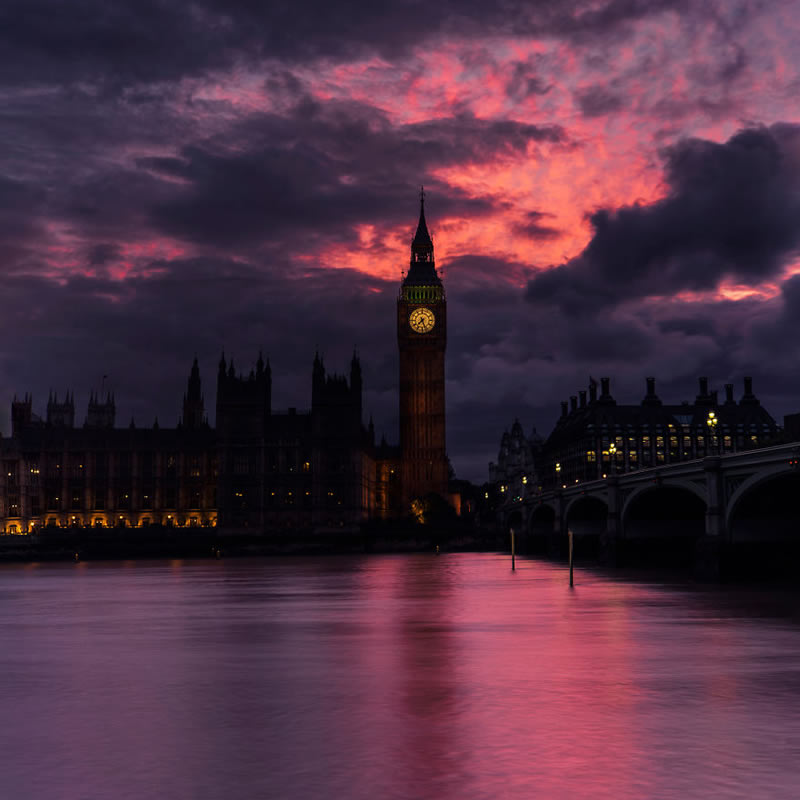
<point>512,549</point>
<point>569,534</point>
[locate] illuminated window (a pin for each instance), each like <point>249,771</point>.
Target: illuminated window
<point>591,455</point>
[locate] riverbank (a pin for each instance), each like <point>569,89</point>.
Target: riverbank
<point>89,544</point>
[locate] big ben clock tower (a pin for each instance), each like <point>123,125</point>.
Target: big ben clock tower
<point>421,338</point>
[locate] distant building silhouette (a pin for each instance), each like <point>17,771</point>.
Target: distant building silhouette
<point>595,436</point>
<point>422,339</point>
<point>515,473</point>
<point>260,469</point>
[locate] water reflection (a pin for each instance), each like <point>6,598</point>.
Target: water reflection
<point>396,676</point>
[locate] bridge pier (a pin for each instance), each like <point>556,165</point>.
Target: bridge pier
<point>609,541</point>
<point>554,547</point>
<point>708,549</point>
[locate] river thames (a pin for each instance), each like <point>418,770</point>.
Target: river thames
<point>410,676</point>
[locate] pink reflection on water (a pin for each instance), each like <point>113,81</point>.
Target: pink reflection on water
<point>390,676</point>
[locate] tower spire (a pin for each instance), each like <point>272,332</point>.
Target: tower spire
<point>422,270</point>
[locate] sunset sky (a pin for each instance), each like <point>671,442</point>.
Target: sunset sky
<point>613,189</point>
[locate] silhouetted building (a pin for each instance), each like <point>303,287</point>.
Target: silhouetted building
<point>101,476</point>
<point>515,474</point>
<point>260,469</point>
<point>422,339</point>
<point>595,436</point>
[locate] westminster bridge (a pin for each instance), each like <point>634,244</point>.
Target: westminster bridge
<point>743,502</point>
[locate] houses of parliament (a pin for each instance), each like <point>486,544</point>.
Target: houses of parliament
<point>258,469</point>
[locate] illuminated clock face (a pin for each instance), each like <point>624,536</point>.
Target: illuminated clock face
<point>422,320</point>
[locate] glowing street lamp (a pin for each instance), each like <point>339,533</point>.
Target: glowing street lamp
<point>712,422</point>
<point>612,452</point>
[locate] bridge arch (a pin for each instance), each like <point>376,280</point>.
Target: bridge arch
<point>662,522</point>
<point>587,517</point>
<point>541,528</point>
<point>515,520</point>
<point>765,507</point>
<point>542,519</point>
<point>687,486</point>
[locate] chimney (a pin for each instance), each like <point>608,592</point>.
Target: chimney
<point>714,398</point>
<point>729,393</point>
<point>573,403</point>
<point>749,397</point>
<point>583,398</point>
<point>704,387</point>
<point>651,398</point>
<point>563,409</point>
<point>605,383</point>
<point>592,390</point>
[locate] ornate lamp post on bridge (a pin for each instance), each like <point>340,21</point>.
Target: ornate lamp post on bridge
<point>712,422</point>
<point>612,452</point>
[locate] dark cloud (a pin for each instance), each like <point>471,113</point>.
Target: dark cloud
<point>323,169</point>
<point>535,226</point>
<point>118,45</point>
<point>731,211</point>
<point>524,81</point>
<point>597,100</point>
<point>101,254</point>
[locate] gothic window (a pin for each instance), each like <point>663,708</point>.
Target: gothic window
<point>76,465</point>
<point>146,461</point>
<point>11,470</point>
<point>124,465</point>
